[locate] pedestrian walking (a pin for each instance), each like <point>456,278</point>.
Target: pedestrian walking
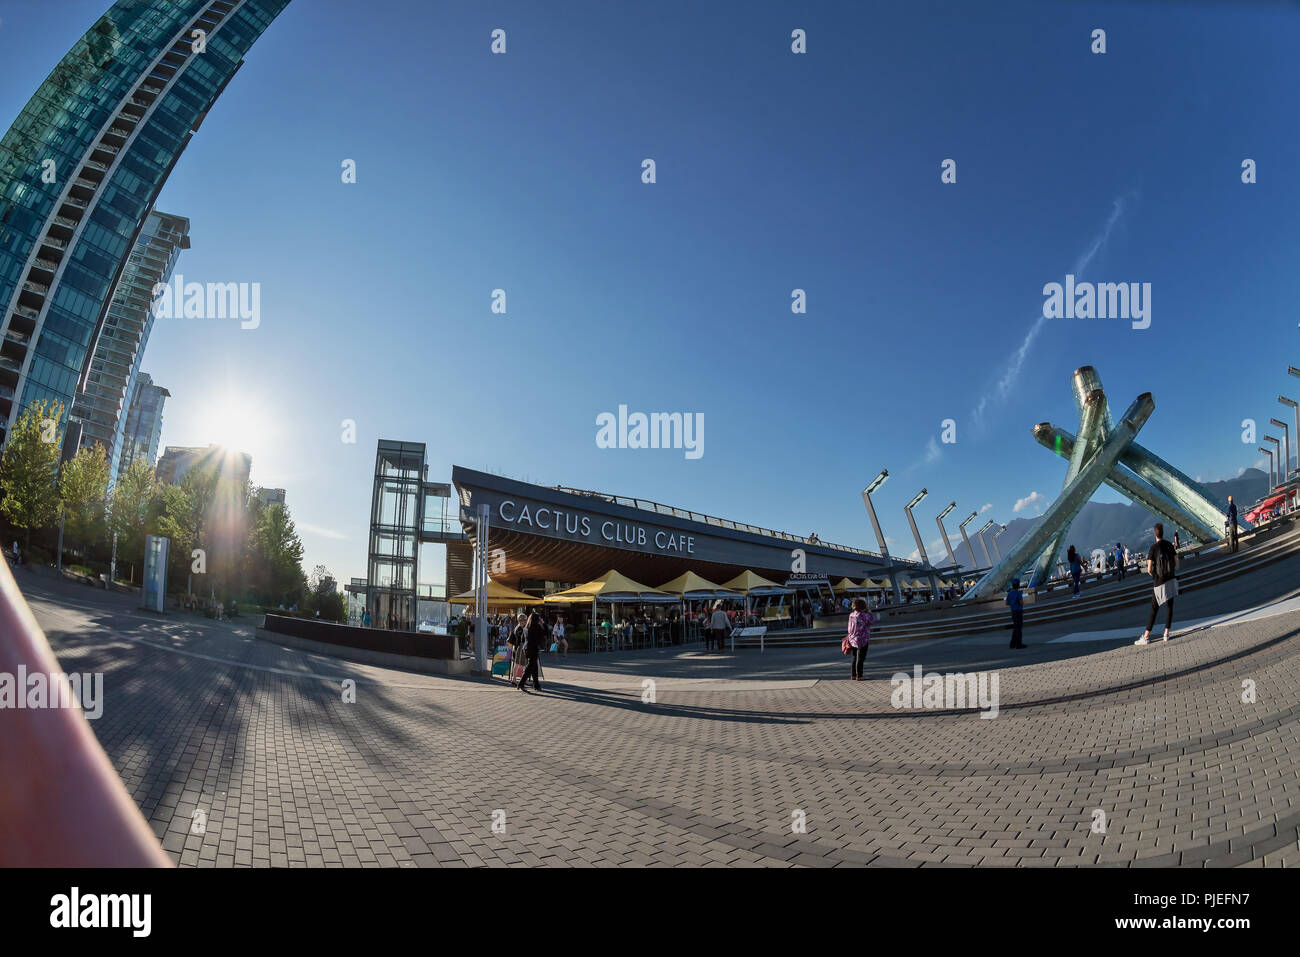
<point>516,641</point>
<point>1076,568</point>
<point>1119,562</point>
<point>1162,566</point>
<point>534,639</point>
<point>860,621</point>
<point>561,643</point>
<point>1016,600</point>
<point>719,624</point>
<point>1230,523</point>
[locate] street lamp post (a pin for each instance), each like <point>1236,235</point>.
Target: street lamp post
<point>995,541</point>
<point>962,528</point>
<point>875,483</point>
<point>1279,463</point>
<point>1269,453</point>
<point>920,545</point>
<point>1285,471</point>
<point>481,531</point>
<point>1294,407</point>
<point>980,535</point>
<point>944,532</point>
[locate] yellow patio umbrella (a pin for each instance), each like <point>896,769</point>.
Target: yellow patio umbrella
<point>611,586</point>
<point>847,584</point>
<point>498,595</point>
<point>691,585</point>
<point>749,583</point>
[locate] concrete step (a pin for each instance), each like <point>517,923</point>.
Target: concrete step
<point>1273,543</point>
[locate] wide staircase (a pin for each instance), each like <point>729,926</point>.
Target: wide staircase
<point>1199,569</point>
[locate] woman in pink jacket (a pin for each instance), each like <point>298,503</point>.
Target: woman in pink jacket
<point>860,623</point>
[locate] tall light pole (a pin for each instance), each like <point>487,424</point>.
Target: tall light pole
<point>481,531</point>
<point>962,528</point>
<point>920,545</point>
<point>980,535</point>
<point>995,541</point>
<point>1294,407</point>
<point>1278,462</point>
<point>875,483</point>
<point>1285,471</point>
<point>944,532</point>
<point>1269,453</point>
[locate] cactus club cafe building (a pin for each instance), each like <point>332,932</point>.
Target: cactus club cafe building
<point>560,545</point>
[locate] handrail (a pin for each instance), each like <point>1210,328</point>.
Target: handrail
<point>64,804</point>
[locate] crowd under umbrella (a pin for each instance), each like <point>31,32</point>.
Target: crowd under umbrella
<point>498,596</point>
<point>613,589</point>
<point>692,587</point>
<point>752,585</point>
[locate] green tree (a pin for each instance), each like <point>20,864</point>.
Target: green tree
<point>83,493</point>
<point>276,556</point>
<point>133,510</point>
<point>186,508</point>
<point>29,468</point>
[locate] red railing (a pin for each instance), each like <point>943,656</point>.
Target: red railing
<point>61,802</point>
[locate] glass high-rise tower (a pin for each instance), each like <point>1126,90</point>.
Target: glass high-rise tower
<point>143,426</point>
<point>103,405</point>
<point>81,167</point>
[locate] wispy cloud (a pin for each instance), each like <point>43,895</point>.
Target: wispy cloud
<point>985,507</point>
<point>1002,388</point>
<point>323,532</point>
<point>933,452</point>
<point>1033,498</point>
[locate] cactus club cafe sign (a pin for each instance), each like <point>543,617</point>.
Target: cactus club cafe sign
<point>579,526</point>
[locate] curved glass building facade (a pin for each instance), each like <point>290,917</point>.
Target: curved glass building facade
<point>81,167</point>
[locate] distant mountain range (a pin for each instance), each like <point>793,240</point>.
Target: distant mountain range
<point>1101,525</point>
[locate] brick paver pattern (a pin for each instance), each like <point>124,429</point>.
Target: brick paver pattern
<point>240,752</point>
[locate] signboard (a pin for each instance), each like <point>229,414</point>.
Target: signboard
<point>593,520</point>
<point>154,589</point>
<point>583,526</point>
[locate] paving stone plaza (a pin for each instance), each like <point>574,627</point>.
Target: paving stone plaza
<point>241,752</point>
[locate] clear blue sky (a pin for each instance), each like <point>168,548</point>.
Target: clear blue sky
<point>775,171</point>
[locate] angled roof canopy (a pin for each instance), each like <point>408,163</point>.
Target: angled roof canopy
<point>497,595</point>
<point>610,586</point>
<point>751,584</point>
<point>691,585</point>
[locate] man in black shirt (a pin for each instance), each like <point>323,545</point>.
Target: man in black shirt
<point>534,638</point>
<point>1232,522</point>
<point>1162,566</point>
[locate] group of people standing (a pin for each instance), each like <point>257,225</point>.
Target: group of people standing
<point>1161,565</point>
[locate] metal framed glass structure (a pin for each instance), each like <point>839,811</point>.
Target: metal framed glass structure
<point>396,518</point>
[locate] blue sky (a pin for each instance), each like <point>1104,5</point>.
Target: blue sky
<point>775,171</point>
